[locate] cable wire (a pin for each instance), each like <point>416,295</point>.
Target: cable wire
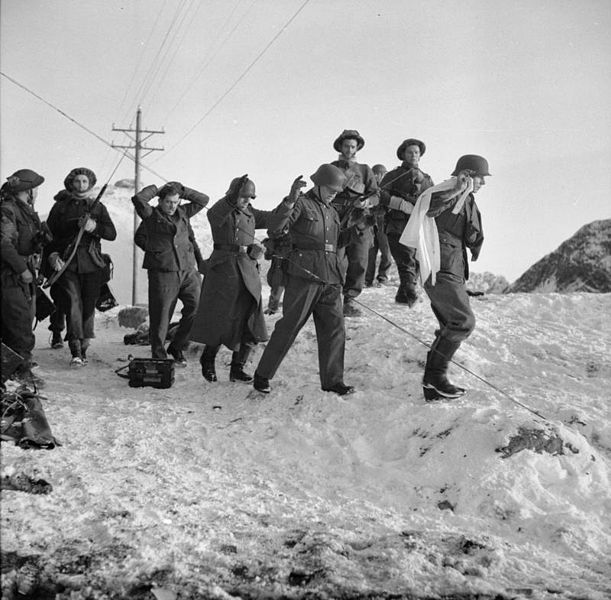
<point>242,75</point>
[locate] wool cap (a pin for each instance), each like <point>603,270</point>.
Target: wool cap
<point>80,171</point>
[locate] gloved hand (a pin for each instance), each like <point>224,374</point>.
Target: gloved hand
<point>55,261</point>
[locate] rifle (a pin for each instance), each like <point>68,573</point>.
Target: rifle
<point>57,274</point>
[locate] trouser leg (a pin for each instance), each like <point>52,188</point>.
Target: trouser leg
<point>162,294</point>
<point>371,262</point>
<point>188,294</point>
<point>71,287</point>
<point>90,292</point>
<point>330,335</point>
<point>357,253</point>
<point>407,267</point>
<point>299,298</point>
<point>57,319</point>
<point>385,255</point>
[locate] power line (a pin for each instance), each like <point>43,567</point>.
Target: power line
<point>243,74</point>
<point>206,62</point>
<point>78,124</point>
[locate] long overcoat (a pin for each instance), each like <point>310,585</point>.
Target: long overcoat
<point>223,314</point>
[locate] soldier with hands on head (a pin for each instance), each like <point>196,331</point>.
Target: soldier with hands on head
<point>353,204</point>
<point>447,222</point>
<point>315,275</point>
<point>170,258</point>
<point>400,190</point>
<point>21,237</point>
<point>230,308</point>
<point>76,212</point>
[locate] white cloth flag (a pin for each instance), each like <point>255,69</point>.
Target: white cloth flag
<point>421,231</point>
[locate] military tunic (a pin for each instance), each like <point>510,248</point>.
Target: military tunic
<point>315,274</point>
<point>170,260</point>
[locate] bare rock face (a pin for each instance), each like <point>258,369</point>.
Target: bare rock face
<point>580,264</point>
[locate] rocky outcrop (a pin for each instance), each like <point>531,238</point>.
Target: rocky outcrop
<point>580,264</point>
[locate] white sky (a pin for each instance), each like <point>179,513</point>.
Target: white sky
<point>525,83</point>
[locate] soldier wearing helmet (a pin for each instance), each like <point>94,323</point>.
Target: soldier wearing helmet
<point>74,210</point>
<point>21,236</point>
<point>170,260</point>
<point>353,204</point>
<point>315,275</point>
<point>230,309</point>
<point>459,227</point>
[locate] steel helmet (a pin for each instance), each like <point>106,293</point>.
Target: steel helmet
<point>472,162</point>
<point>242,187</point>
<point>23,180</point>
<point>329,176</point>
<point>80,171</point>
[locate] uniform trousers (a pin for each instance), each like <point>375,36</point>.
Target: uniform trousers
<point>405,259</point>
<point>165,289</point>
<point>356,254</point>
<point>450,303</point>
<point>380,244</point>
<point>81,292</point>
<point>303,298</point>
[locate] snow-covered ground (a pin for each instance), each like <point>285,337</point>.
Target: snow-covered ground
<point>212,490</point>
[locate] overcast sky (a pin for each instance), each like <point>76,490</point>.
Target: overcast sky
<point>526,83</point>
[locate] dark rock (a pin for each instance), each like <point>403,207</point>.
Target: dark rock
<point>537,440</point>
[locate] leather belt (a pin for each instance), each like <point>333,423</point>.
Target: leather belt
<point>231,248</point>
<point>325,247</point>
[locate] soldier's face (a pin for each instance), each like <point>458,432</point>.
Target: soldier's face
<point>478,182</point>
<point>349,148</point>
<point>169,204</point>
<point>326,193</point>
<point>80,184</point>
<point>379,175</point>
<point>411,155</point>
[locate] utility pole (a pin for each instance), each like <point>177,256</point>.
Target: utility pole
<point>138,147</point>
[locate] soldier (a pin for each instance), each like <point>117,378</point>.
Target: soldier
<point>277,249</point>
<point>170,258</point>
<point>76,213</point>
<point>315,274</point>
<point>21,237</point>
<point>451,209</point>
<point>353,204</point>
<point>380,241</point>
<point>230,307</point>
<point>400,190</point>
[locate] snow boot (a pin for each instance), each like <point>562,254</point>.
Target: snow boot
<point>435,384</point>
<point>238,360</point>
<point>56,340</point>
<point>261,384</point>
<point>406,294</point>
<point>207,362</point>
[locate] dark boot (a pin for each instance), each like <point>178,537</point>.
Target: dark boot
<point>177,355</point>
<point>207,361</point>
<point>406,294</point>
<point>435,383</point>
<point>238,360</point>
<point>56,340</point>
<point>261,384</point>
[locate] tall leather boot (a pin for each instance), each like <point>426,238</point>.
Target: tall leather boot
<point>207,362</point>
<point>435,383</point>
<point>238,360</point>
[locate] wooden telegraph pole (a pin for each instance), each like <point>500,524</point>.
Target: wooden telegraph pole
<point>138,148</point>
